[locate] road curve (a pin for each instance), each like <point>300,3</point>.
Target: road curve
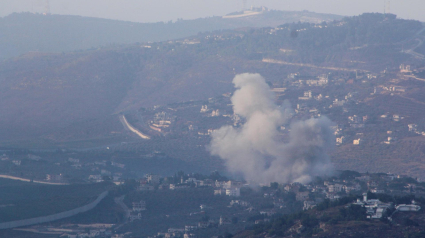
<point>132,129</point>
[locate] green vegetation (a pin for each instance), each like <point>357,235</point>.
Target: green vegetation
<point>339,202</point>
<point>352,213</point>
<point>107,211</point>
<point>406,199</point>
<point>338,216</point>
<point>325,43</point>
<point>310,222</point>
<point>117,79</point>
<point>25,32</point>
<point>176,208</point>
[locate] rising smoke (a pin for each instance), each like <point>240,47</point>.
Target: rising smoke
<point>255,149</point>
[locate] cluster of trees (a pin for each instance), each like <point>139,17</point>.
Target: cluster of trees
<point>280,226</point>
<point>325,42</point>
<point>339,202</point>
<point>310,221</point>
<point>25,32</point>
<point>407,199</point>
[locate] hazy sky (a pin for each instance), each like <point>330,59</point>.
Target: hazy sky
<point>165,10</point>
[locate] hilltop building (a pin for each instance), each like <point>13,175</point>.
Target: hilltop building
<point>374,208</point>
<point>307,95</point>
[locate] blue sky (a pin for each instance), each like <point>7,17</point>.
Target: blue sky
<point>165,10</point>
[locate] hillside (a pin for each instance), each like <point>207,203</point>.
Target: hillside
<point>340,219</point>
<point>43,92</point>
<point>26,32</point>
<point>74,99</point>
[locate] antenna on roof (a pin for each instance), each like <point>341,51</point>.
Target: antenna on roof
<point>46,8</point>
<point>244,5</point>
<point>387,6</point>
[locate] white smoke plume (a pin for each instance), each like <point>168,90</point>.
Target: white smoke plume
<point>255,149</point>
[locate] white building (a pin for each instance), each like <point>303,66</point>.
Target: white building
<point>95,177</point>
<point>187,235</point>
<point>396,117</point>
<point>204,108</point>
<point>375,190</point>
<point>355,119</point>
<point>231,184</point>
<point>412,127</point>
<point>405,68</point>
<point>139,206</point>
<point>309,205</point>
<point>390,140</point>
<point>337,102</point>
<point>190,228</point>
<point>349,188</point>
<point>374,207</point>
<point>356,142</point>
<point>153,178</point>
<point>219,191</point>
<point>307,95</point>
<point>233,192</point>
<point>178,186</point>
<point>340,140</point>
<point>335,188</point>
<point>215,113</point>
<point>240,203</point>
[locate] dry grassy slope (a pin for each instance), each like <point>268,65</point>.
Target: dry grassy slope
<point>403,105</point>
<point>40,94</point>
<point>160,83</point>
<point>43,93</point>
<point>405,156</point>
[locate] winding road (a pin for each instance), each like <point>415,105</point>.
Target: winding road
<point>120,202</point>
<point>412,50</point>
<point>132,129</point>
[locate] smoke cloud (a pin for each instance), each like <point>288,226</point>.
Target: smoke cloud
<point>256,150</point>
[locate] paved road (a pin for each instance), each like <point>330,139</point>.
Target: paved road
<point>29,180</point>
<point>412,50</point>
<point>119,201</point>
<point>132,129</point>
<point>416,54</point>
<point>273,61</point>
